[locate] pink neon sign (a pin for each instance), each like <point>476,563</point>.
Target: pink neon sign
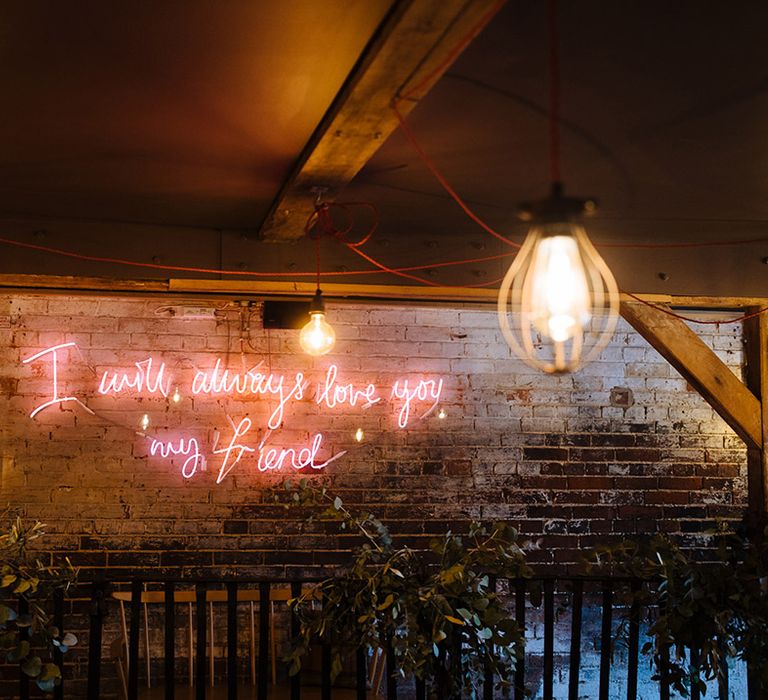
<point>189,448</point>
<point>142,378</point>
<point>251,383</point>
<point>332,394</point>
<point>423,390</point>
<point>54,353</point>
<point>151,379</point>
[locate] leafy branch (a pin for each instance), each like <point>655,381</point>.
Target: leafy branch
<point>436,609</point>
<point>28,626</point>
<point>716,607</point>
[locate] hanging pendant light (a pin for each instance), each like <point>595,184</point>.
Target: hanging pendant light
<point>558,303</point>
<point>318,336</point>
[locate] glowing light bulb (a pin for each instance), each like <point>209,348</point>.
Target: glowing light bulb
<point>559,297</point>
<point>559,303</point>
<point>144,422</point>
<point>359,435</point>
<point>176,397</point>
<point>441,414</point>
<point>318,336</point>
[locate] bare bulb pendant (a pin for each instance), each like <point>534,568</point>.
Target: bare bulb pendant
<point>558,304</point>
<point>318,336</point>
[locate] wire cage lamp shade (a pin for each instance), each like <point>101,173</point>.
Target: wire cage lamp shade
<point>558,304</point>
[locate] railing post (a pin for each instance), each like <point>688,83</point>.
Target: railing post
<point>58,657</point>
<point>133,641</point>
<point>663,667</point>
<point>231,640</point>
<point>96,614</point>
<point>606,640</point>
<point>264,608</point>
<point>23,635</point>
<point>295,630</point>
<point>488,671</point>
<point>574,665</point>
<point>325,671</point>
<point>549,637</point>
<point>722,679</point>
<point>391,672</point>
<point>200,623</point>
<point>520,589</point>
<point>634,643</point>
<point>361,675</point>
<point>170,640</point>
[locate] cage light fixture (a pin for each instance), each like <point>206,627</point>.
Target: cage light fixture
<point>558,304</point>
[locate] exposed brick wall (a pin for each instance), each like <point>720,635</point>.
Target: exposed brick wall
<point>548,452</point>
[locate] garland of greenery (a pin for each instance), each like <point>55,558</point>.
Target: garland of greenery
<point>439,614</point>
<point>439,611</point>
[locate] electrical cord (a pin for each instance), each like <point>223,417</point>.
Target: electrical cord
<point>241,273</point>
<point>666,310</point>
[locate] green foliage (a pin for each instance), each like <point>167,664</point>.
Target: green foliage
<point>717,606</point>
<point>25,578</point>
<point>438,609</point>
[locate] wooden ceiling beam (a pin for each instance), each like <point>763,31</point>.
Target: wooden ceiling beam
<point>415,44</point>
<point>701,367</point>
<point>335,290</point>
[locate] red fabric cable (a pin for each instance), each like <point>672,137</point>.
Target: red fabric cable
<point>441,179</point>
<point>453,54</point>
<point>669,312</point>
<point>392,271</point>
<point>239,273</point>
<point>554,94</point>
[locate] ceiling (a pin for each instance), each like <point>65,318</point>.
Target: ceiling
<point>164,132</point>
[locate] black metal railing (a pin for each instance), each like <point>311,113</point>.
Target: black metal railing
<point>547,602</point>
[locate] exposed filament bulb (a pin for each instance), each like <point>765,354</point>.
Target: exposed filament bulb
<point>317,337</point>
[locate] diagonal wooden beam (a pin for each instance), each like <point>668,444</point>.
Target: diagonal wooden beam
<point>701,367</point>
<point>415,44</point>
<point>756,352</point>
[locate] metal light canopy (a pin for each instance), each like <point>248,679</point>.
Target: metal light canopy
<point>558,303</point>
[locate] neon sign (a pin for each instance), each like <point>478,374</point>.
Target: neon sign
<point>54,353</point>
<point>246,445</point>
<point>138,380</point>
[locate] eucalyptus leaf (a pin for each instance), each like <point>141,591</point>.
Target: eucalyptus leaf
<point>32,666</point>
<point>50,671</point>
<point>46,685</point>
<point>6,614</point>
